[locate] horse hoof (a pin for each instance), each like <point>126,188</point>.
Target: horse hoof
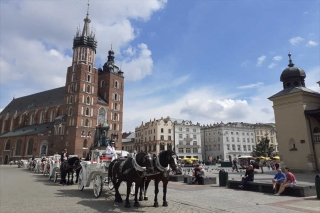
<point>127,205</point>
<point>145,198</point>
<point>165,203</point>
<point>140,199</point>
<point>136,204</point>
<point>156,204</point>
<point>118,200</point>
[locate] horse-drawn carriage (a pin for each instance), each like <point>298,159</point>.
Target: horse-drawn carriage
<point>95,170</point>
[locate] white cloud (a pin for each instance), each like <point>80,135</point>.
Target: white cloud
<point>260,60</point>
<point>296,40</point>
<point>249,86</point>
<point>312,44</point>
<point>245,63</point>
<point>272,65</point>
<point>140,65</point>
<point>277,58</point>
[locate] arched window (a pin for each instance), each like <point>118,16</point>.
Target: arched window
<point>83,53</point>
<point>89,134</point>
<point>41,117</point>
<point>89,78</point>
<point>43,150</point>
<point>18,147</point>
<point>116,84</point>
<point>88,100</point>
<point>115,106</point>
<point>90,56</point>
<point>85,143</point>
<point>87,122</point>
<point>30,147</point>
<point>114,126</point>
<point>8,144</point>
<point>115,116</point>
<point>87,111</point>
<point>88,88</point>
<point>102,116</point>
<point>73,78</point>
<point>70,110</point>
<point>102,83</point>
<point>82,133</point>
<point>71,87</point>
<point>71,99</point>
<point>90,65</point>
<point>31,119</point>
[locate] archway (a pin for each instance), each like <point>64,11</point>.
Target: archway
<point>6,160</point>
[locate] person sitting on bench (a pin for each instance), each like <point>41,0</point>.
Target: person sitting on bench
<point>289,182</point>
<point>278,179</point>
<point>249,176</point>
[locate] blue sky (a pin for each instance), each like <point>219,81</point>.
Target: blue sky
<point>207,61</point>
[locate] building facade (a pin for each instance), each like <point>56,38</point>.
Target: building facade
<point>154,136</point>
<point>75,117</point>
<point>297,116</point>
<point>227,141</point>
<point>128,141</point>
<point>187,137</point>
<point>268,130</point>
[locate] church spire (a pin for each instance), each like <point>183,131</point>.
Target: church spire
<point>290,61</point>
<point>86,27</point>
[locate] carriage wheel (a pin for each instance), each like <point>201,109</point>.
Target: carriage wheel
<point>80,184</point>
<point>97,186</point>
<point>55,177</point>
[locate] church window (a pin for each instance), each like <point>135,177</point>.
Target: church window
<point>87,122</point>
<point>87,111</point>
<point>114,126</point>
<point>88,88</point>
<point>71,99</point>
<point>102,116</point>
<point>89,134</point>
<point>115,116</point>
<point>18,147</point>
<point>7,147</point>
<point>90,67</point>
<point>102,83</point>
<point>89,78</point>
<point>115,106</point>
<point>116,97</point>
<point>85,143</point>
<point>83,54</point>
<point>43,150</point>
<point>71,88</point>
<point>73,78</point>
<point>116,84</point>
<point>82,133</point>
<point>90,55</point>
<point>30,147</point>
<point>88,100</point>
<point>70,110</point>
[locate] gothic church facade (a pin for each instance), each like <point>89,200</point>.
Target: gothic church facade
<point>81,115</point>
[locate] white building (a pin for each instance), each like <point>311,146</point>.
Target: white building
<point>187,139</point>
<point>227,141</point>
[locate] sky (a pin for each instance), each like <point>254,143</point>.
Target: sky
<point>201,60</point>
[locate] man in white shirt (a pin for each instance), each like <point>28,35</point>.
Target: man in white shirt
<point>111,151</point>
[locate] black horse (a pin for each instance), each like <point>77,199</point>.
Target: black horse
<point>68,168</point>
<point>130,170</point>
<point>162,163</point>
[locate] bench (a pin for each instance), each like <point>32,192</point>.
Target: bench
<point>176,178</point>
<point>206,181</point>
<point>297,191</point>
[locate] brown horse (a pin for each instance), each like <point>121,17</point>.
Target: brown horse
<point>162,163</point>
<point>132,169</point>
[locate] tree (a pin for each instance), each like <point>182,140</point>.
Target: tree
<point>263,148</point>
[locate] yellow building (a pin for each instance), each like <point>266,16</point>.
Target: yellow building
<point>297,116</point>
<point>268,130</point>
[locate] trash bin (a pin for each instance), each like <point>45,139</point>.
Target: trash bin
<point>317,181</point>
<point>223,177</point>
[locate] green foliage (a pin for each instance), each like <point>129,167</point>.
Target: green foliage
<point>263,148</point>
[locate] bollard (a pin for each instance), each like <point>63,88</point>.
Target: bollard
<point>317,183</point>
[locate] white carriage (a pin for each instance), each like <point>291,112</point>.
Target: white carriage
<point>54,170</point>
<point>95,170</point>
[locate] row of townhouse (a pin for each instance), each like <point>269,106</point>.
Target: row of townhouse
<point>217,141</point>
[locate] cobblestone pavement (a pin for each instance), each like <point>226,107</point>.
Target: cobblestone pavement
<point>23,191</point>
